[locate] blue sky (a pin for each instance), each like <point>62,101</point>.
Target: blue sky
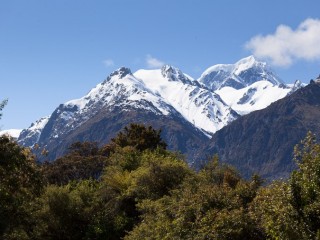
<point>55,51</point>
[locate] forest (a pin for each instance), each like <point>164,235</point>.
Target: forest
<point>133,188</point>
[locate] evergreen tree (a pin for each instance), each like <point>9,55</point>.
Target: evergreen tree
<point>291,209</point>
<point>82,162</point>
<point>211,204</point>
<point>2,104</point>
<point>140,137</point>
<point>20,183</point>
<point>67,212</point>
<point>305,185</point>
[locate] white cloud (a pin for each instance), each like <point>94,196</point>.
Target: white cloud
<point>108,63</point>
<point>286,45</point>
<point>153,62</point>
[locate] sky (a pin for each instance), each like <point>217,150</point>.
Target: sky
<point>55,51</point>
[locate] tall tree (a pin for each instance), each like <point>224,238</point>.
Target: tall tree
<point>305,185</point>
<point>2,104</point>
<point>140,137</point>
<point>20,183</point>
<point>82,162</point>
<point>290,210</point>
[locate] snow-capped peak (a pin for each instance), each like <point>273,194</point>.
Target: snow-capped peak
<point>247,63</point>
<point>217,68</point>
<point>241,74</point>
<point>121,72</point>
<point>297,84</point>
<point>174,74</point>
<point>170,72</point>
<point>31,135</point>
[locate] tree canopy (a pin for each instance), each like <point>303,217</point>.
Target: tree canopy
<point>132,188</point>
<point>21,183</point>
<point>140,137</point>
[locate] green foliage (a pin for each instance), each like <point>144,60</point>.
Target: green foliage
<point>140,137</point>
<point>132,188</point>
<point>208,205</point>
<point>83,162</point>
<point>135,176</point>
<point>158,175</point>
<point>2,105</point>
<point>67,212</point>
<point>127,158</point>
<point>305,185</point>
<point>21,182</point>
<point>273,211</point>
<point>84,149</point>
<point>291,210</point>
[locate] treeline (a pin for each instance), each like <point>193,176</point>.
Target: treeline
<point>133,188</point>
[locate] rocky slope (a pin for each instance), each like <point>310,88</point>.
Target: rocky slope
<point>262,142</point>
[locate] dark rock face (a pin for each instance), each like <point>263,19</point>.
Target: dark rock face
<point>179,134</point>
<point>122,72</point>
<point>247,96</point>
<point>220,79</point>
<point>31,135</point>
<point>29,139</point>
<point>174,74</point>
<point>255,74</point>
<point>263,141</point>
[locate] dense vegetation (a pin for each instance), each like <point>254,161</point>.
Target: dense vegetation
<point>133,188</point>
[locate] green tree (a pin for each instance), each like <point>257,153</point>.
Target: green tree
<point>21,182</point>
<point>67,212</point>
<point>140,137</point>
<point>82,162</point>
<point>84,149</point>
<point>2,105</point>
<point>291,209</point>
<point>274,213</point>
<point>305,185</point>
<point>212,204</point>
<point>134,177</point>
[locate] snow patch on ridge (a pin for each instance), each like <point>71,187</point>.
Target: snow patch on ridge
<point>11,132</point>
<point>31,135</point>
<point>259,95</point>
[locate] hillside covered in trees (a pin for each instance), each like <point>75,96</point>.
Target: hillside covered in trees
<point>133,188</point>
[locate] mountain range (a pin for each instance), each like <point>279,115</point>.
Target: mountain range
<point>189,111</point>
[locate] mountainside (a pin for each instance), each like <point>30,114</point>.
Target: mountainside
<point>119,100</point>
<point>179,134</point>
<point>262,142</point>
<point>188,111</point>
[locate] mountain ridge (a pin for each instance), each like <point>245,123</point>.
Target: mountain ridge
<point>165,93</point>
